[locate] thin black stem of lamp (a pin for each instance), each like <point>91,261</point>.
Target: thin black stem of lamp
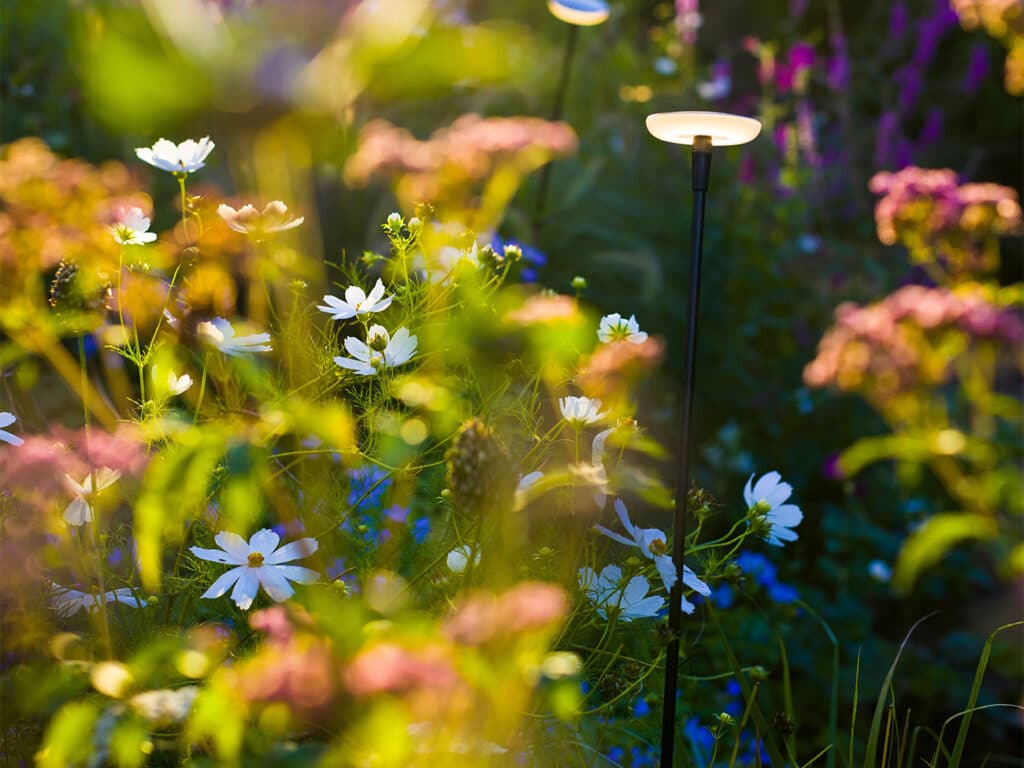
<point>701,173</point>
<point>556,114</point>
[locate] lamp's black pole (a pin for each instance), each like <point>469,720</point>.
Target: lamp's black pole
<point>701,174</point>
<point>556,114</point>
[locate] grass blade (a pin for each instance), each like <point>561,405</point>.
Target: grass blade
<point>972,700</point>
<point>853,716</point>
<point>883,695</point>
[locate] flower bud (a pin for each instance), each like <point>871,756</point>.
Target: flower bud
<point>579,283</point>
<point>415,225</point>
<point>395,221</point>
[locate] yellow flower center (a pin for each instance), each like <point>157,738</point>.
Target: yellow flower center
<point>255,559</point>
<point>657,547</point>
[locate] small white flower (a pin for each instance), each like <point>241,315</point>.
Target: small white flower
<point>220,334</point>
<point>627,602</point>
<point>652,544</point>
<point>880,571</point>
<point>449,260</point>
<point>380,350</point>
<point>176,384</point>
<point>771,493</point>
<point>186,157</point>
<point>250,221</point>
<point>459,558</point>
<point>6,419</point>
<point>132,228</point>
<point>79,511</point>
<point>67,602</point>
<point>356,302</point>
<point>580,411</point>
<point>617,328</point>
<point>259,562</point>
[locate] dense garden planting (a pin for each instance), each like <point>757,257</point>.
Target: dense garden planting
<point>341,362</point>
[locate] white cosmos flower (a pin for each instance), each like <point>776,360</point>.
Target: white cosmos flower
<point>580,411</point>
<point>250,221</point>
<point>380,350</point>
<point>6,419</point>
<point>259,562</point>
<point>220,334</point>
<point>449,260</point>
<point>771,494</point>
<point>67,602</point>
<point>178,384</point>
<point>132,228</point>
<point>652,544</point>
<point>616,328</point>
<point>79,511</point>
<point>627,602</point>
<point>186,157</point>
<point>356,302</point>
<point>459,558</point>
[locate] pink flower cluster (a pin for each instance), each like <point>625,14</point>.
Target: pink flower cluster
<point>468,151</point>
<point>937,218</point>
<point>897,344</point>
<point>528,607</point>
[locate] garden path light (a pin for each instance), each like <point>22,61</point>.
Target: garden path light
<point>575,13</point>
<point>702,131</point>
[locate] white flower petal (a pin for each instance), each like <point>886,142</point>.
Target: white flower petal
<point>233,544</point>
<point>298,573</point>
<point>217,556</point>
<point>264,541</point>
<point>296,550</point>
<point>246,588</point>
<point>224,582</point>
<point>274,582</point>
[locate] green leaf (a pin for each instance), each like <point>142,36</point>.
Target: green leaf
<point>933,539</point>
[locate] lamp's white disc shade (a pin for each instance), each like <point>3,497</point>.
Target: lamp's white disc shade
<point>582,13</point>
<point>724,129</point>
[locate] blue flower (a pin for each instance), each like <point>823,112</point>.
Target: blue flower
<point>641,708</point>
<point>421,529</point>
<point>732,688</point>
<point>367,486</point>
<point>758,566</point>
<point>114,557</point>
<point>615,754</point>
<point>724,595</point>
<point>783,593</point>
<point>699,736</point>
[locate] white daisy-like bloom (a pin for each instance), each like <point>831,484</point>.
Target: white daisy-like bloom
<point>356,302</point>
<point>132,228</point>
<point>220,334</point>
<point>6,419</point>
<point>380,350</point>
<point>176,385</point>
<point>617,328</point>
<point>449,260</point>
<point>627,602</point>
<point>652,544</point>
<point>249,220</point>
<point>67,602</point>
<point>771,494</point>
<point>259,562</point>
<point>79,511</point>
<point>581,411</point>
<point>459,558</point>
<point>186,157</point>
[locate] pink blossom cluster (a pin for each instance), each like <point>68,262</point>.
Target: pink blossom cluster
<point>899,343</point>
<point>468,151</point>
<point>936,217</point>
<point>528,607</point>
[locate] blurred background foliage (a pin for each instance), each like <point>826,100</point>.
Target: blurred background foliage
<point>287,89</point>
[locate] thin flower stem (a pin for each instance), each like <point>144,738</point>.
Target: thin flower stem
<point>202,388</point>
